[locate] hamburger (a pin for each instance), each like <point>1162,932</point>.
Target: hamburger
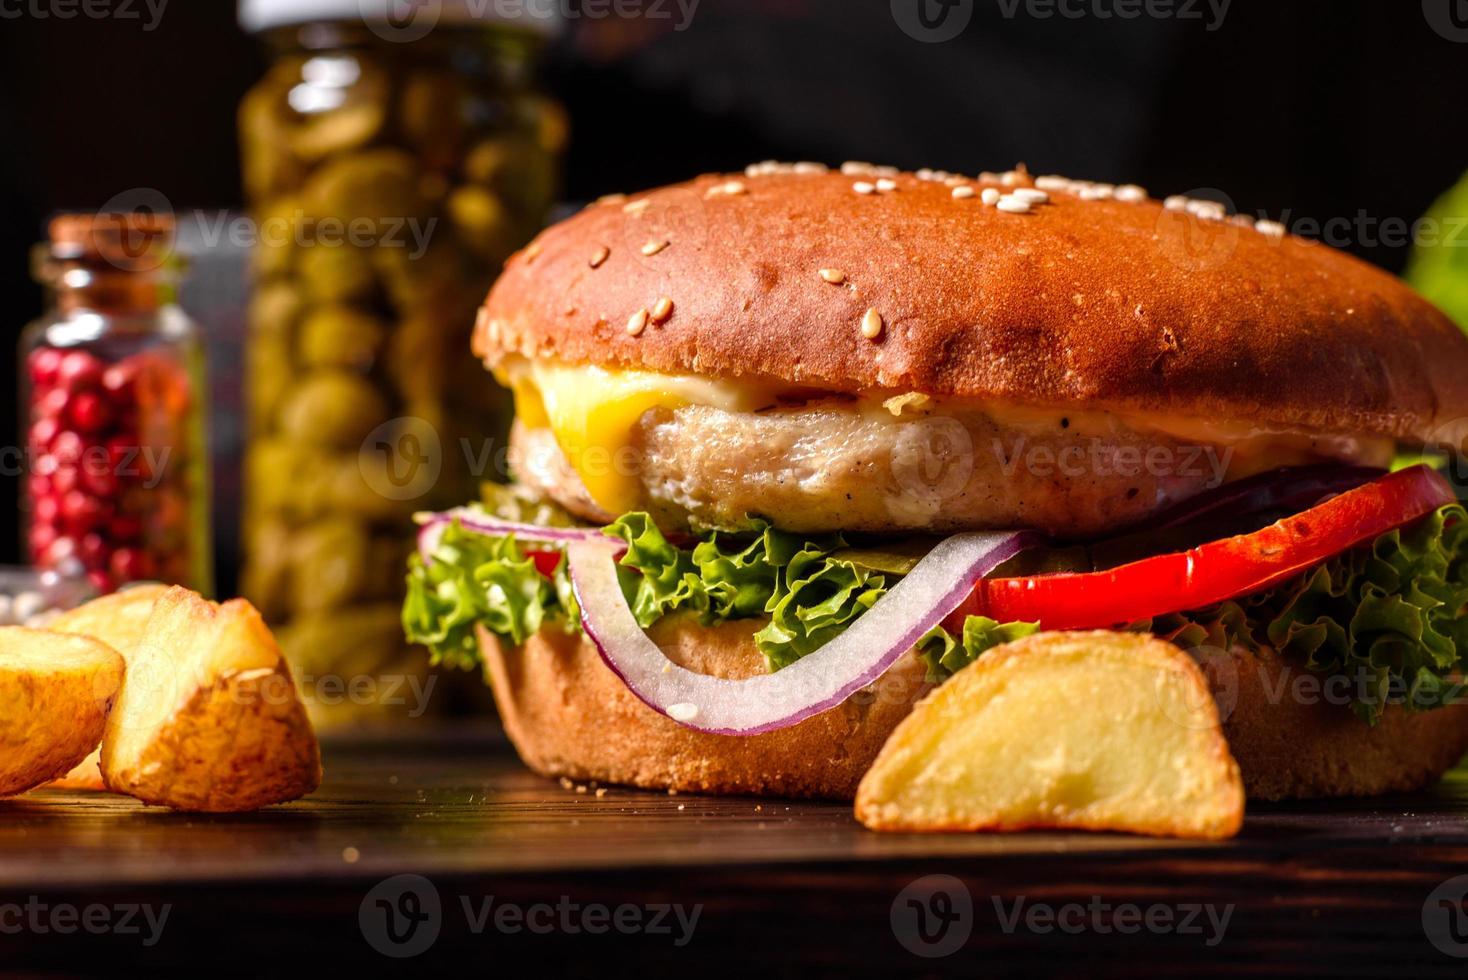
<point>794,446</point>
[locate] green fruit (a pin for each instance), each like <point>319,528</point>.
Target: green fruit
<point>329,563</point>
<point>483,223</point>
<point>376,185</point>
<point>332,408</point>
<point>338,273</point>
<point>341,336</point>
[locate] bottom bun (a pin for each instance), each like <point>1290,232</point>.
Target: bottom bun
<point>569,715</point>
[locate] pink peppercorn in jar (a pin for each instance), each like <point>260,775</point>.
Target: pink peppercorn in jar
<point>116,473</point>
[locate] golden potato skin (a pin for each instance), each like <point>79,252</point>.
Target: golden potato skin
<point>265,753</point>
<point>55,694</point>
<point>1131,743</point>
<point>209,719</point>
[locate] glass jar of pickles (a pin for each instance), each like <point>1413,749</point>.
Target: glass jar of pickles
<point>391,166</point>
<point>116,483</point>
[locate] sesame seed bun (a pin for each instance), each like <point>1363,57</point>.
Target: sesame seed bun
<point>570,716</point>
<point>832,280</point>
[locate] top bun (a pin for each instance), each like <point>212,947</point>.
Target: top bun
<point>1100,297</point>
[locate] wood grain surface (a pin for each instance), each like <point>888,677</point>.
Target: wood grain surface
<point>784,888</point>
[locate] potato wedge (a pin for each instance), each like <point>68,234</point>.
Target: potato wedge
<point>117,620</point>
<point>55,692</point>
<point>1085,730</point>
<point>208,718</point>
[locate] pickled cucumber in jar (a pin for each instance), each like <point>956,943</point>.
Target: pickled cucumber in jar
<point>390,182</point>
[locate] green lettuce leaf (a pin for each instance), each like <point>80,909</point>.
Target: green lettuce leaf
<point>476,579</point>
<point>946,654</point>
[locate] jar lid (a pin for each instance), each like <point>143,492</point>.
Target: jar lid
<point>403,20</point>
<point>128,240</point>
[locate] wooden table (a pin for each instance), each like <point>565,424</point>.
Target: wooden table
<point>796,887</point>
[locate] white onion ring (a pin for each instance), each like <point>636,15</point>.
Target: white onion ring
<point>814,683</point>
<point>434,525</point>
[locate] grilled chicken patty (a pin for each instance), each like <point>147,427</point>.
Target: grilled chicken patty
<point>843,466</point>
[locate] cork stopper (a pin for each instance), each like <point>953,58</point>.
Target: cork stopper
<point>133,241</point>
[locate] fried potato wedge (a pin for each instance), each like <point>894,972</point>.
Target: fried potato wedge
<point>209,718</point>
<point>1084,731</point>
<point>117,620</point>
<point>55,692</point>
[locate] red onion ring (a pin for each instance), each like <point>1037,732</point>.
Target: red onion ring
<point>434,525</point>
<point>815,683</point>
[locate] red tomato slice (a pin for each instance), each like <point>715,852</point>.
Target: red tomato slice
<point>1219,570</point>
<point>545,561</point>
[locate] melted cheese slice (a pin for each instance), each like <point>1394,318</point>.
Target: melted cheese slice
<point>594,413</point>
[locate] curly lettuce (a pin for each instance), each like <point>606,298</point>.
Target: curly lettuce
<point>480,580</point>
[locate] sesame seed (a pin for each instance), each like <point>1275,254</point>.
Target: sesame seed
<point>600,256</point>
<point>1010,178</point>
<point>682,711</point>
<point>990,196</point>
<point>1131,193</point>
<point>862,187</point>
<point>871,324</point>
<point>1175,202</point>
<point>1211,210</point>
<point>834,276</point>
<point>1013,205</point>
<point>926,173</point>
<point>1030,195</point>
<point>654,247</point>
<point>809,167</point>
<point>886,185</point>
<point>963,193</point>
<point>611,199</point>
<point>1053,182</point>
<point>988,176</point>
<point>885,171</point>
<point>637,323</point>
<point>601,791</point>
<point>637,206</point>
<point>1271,228</point>
<point>728,187</point>
<point>662,309</point>
<point>767,167</point>
<point>531,251</point>
<point>953,180</point>
<point>851,168</point>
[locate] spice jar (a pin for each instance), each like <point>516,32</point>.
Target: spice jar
<point>391,167</point>
<point>111,382</point>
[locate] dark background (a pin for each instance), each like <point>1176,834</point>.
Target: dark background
<point>1302,110</point>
